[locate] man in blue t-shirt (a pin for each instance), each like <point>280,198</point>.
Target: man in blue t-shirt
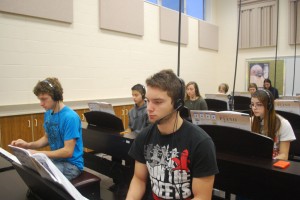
<point>63,130</point>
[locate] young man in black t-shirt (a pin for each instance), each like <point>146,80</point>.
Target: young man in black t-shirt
<point>178,157</point>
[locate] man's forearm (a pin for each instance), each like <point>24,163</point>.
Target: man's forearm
<point>136,190</point>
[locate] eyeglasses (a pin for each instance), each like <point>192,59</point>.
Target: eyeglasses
<point>256,105</point>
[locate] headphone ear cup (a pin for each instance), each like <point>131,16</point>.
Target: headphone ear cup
<point>270,106</point>
<point>179,104</point>
<point>56,96</point>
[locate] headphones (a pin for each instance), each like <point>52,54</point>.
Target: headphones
<point>180,102</point>
<point>270,104</point>
<point>143,92</point>
<point>141,89</point>
<point>56,95</point>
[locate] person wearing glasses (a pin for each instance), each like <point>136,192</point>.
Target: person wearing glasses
<point>265,121</point>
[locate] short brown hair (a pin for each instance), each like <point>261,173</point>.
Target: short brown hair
<point>50,86</point>
<point>167,81</point>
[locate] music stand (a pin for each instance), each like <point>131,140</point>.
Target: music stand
<point>240,142</point>
<point>241,102</point>
<point>216,104</point>
<point>104,120</point>
<point>39,187</point>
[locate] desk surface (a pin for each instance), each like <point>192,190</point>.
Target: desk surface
<point>257,178</point>
<point>4,165</point>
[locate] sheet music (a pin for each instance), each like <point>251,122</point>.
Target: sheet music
<point>201,117</point>
<point>9,156</point>
<point>40,163</point>
<point>223,118</point>
<point>222,97</point>
<point>101,106</point>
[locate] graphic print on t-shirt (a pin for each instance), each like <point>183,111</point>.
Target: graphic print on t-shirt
<point>169,172</point>
<point>54,137</point>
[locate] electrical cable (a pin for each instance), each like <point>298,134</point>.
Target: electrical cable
<point>179,39</point>
<point>276,49</point>
<point>231,100</point>
<point>295,40</point>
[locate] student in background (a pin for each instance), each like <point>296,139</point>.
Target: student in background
<point>63,130</point>
<point>193,99</point>
<point>138,117</point>
<point>252,88</point>
<point>268,86</point>
<point>223,88</point>
<point>178,157</point>
<point>266,122</point>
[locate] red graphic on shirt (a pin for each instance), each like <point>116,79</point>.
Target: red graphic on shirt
<point>182,163</point>
<point>158,198</point>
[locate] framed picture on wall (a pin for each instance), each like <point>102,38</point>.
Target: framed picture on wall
<point>260,69</point>
<point>258,73</point>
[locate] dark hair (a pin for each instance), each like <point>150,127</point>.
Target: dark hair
<point>50,86</point>
<point>167,81</point>
<point>268,81</point>
<point>140,88</point>
<point>196,89</point>
<point>271,120</point>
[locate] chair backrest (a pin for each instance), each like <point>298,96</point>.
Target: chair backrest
<point>241,102</point>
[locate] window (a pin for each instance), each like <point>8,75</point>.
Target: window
<point>173,4</point>
<point>152,1</point>
<point>193,8</point>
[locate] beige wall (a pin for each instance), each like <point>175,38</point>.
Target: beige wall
<point>90,62</point>
<point>99,64</point>
<point>226,15</point>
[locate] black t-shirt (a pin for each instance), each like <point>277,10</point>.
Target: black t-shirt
<point>174,159</point>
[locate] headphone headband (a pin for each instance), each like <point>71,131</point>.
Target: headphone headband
<point>270,104</point>
<point>56,95</point>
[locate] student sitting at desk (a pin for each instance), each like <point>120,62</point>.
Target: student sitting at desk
<point>268,86</point>
<point>265,121</point>
<point>178,157</point>
<point>138,117</point>
<point>63,130</point>
<point>223,88</point>
<point>194,100</point>
<point>252,88</point>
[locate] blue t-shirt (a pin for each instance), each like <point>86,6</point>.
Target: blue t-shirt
<point>61,126</point>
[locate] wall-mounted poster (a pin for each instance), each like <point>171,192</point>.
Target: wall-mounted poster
<point>258,73</point>
<point>259,70</point>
